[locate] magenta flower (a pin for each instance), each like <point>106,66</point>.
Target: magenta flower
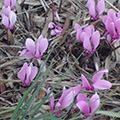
<point>88,37</point>
<point>35,50</point>
<point>10,3</point>
<point>98,83</point>
<point>8,17</point>
<point>88,107</point>
<point>93,9</point>
<point>56,29</point>
<point>27,73</point>
<point>65,100</point>
<point>112,24</point>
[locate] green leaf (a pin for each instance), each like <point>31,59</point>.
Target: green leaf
<point>108,113</point>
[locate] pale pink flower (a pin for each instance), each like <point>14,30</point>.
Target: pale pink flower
<point>27,73</point>
<point>57,15</point>
<point>10,3</point>
<point>88,37</point>
<point>65,100</point>
<point>8,17</point>
<point>112,24</point>
<point>97,82</point>
<point>96,10</point>
<point>56,29</point>
<point>35,50</point>
<point>88,107</point>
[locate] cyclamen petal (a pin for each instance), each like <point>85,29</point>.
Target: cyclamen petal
<point>83,106</point>
<point>87,44</point>
<point>94,102</point>
<point>68,99</point>
<point>98,75</point>
<point>22,73</point>
<point>30,44</point>
<point>13,18</point>
<point>100,7</point>
<point>81,97</point>
<point>85,82</point>
<point>5,21</point>
<point>95,39</point>
<point>102,84</point>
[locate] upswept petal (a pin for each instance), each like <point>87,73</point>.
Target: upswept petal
<point>28,79</point>
<point>76,89</point>
<point>82,97</point>
<point>117,25</point>
<point>51,25</point>
<point>28,55</point>
<point>87,44</point>
<point>5,21</point>
<point>104,19</point>
<point>57,15</point>
<point>77,27</point>
<point>92,10</point>
<point>30,44</point>
<point>112,14</point>
<point>7,2</point>
<point>53,32</point>
<point>12,17</point>
<point>68,99</point>
<point>37,54</point>
<point>83,34</point>
<point>85,82</point>
<point>118,14</point>
<point>83,106</point>
<point>22,73</point>
<point>94,102</point>
<point>89,30</point>
<point>102,84</point>
<point>95,39</point>
<point>100,7</point>
<point>34,71</point>
<point>97,76</point>
<point>13,2</point>
<point>22,52</point>
<point>51,99</point>
<point>78,35</point>
<point>6,11</point>
<point>43,44</point>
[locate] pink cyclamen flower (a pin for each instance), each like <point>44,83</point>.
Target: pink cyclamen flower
<point>10,3</point>
<point>88,37</point>
<point>112,24</point>
<point>57,15</point>
<point>8,17</point>
<point>27,73</point>
<point>35,50</point>
<point>88,107</point>
<point>98,83</point>
<point>65,100</point>
<point>56,29</point>
<point>93,9</point>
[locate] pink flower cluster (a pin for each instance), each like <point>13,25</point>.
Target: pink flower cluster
<point>28,73</point>
<point>8,16</point>
<point>87,107</point>
<point>65,100</point>
<point>112,24</point>
<point>88,37</point>
<point>96,10</point>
